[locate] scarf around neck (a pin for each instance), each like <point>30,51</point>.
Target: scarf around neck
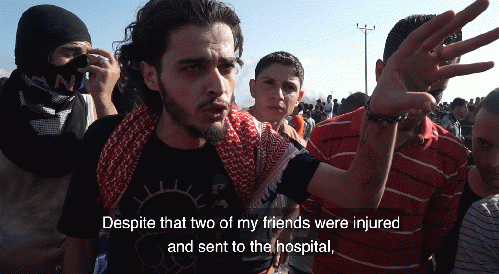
<point>44,155</point>
<point>251,152</point>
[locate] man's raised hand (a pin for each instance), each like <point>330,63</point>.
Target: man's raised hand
<point>422,61</point>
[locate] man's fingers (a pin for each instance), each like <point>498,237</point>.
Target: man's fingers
<point>460,20</point>
<point>92,69</point>
<point>417,100</point>
<point>458,49</point>
<point>103,53</point>
<point>94,59</point>
<point>454,70</point>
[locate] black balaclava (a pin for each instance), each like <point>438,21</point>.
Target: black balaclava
<point>40,31</point>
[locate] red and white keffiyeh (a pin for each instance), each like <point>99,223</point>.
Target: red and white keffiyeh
<point>253,155</point>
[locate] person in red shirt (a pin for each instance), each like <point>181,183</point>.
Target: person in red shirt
<point>423,188</point>
<point>297,121</point>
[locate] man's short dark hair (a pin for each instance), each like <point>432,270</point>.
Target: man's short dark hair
<point>353,102</point>
<point>407,25</point>
<point>147,38</point>
<point>282,58</point>
<point>458,102</point>
<point>490,103</point>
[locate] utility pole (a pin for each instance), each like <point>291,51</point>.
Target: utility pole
<point>365,30</point>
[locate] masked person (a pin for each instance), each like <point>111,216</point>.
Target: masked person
<point>44,113</point>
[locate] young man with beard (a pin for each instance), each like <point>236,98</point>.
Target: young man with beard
<point>482,179</point>
<point>44,114</point>
<point>424,182</point>
<point>479,238</point>
<point>190,153</point>
<point>478,250</point>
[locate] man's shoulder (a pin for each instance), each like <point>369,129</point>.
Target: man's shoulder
<point>441,143</point>
<point>331,125</point>
<point>488,206</point>
<point>445,137</point>
<point>286,128</point>
<point>445,119</point>
<point>291,132</point>
<point>328,133</point>
<point>100,130</point>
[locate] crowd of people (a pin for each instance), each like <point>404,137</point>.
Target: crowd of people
<point>456,117</point>
<point>154,133</point>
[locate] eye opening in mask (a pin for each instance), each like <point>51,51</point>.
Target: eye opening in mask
<point>69,51</point>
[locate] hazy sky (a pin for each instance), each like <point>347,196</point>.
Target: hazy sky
<point>322,34</point>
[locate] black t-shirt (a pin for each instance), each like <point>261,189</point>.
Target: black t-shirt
<point>173,184</point>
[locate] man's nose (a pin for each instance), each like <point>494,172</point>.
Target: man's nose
<point>217,84</point>
<point>277,93</point>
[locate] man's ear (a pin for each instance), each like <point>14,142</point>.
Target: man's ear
<point>252,84</point>
<point>379,69</point>
<point>300,96</point>
<point>149,75</point>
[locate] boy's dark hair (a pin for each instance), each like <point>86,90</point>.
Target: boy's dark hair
<point>407,25</point>
<point>458,102</point>
<point>282,58</point>
<point>353,102</point>
<point>147,38</point>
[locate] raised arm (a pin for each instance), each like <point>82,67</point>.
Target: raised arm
<point>402,86</point>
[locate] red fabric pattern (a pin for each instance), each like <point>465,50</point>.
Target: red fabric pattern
<point>246,141</point>
<point>121,153</point>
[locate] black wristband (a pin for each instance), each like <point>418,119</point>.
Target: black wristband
<point>382,119</point>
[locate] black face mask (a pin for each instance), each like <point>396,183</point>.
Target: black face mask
<point>65,80</point>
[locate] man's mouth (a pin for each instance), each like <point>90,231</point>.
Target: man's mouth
<point>276,107</point>
<point>215,111</point>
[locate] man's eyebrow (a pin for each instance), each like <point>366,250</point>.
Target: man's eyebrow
<point>194,60</point>
<point>267,78</point>
<point>231,60</point>
<point>204,60</point>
